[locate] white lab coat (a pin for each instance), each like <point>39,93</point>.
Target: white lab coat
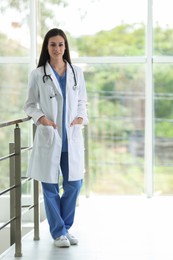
<point>44,163</point>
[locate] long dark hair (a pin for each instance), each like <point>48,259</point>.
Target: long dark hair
<point>44,56</point>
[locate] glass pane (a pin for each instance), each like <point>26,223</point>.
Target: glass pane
<point>14,28</point>
<point>13,87</point>
<point>116,129</point>
<point>99,27</point>
<point>163,27</point>
<point>163,82</point>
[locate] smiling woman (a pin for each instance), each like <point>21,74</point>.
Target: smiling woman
<point>55,150</point>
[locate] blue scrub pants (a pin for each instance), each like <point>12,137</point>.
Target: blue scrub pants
<point>60,210</point>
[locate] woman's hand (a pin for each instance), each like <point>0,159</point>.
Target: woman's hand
<point>77,121</point>
<point>45,121</point>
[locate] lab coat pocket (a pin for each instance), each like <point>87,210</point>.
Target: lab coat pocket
<point>45,136</point>
<point>76,133</point>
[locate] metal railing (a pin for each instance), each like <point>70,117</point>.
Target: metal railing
<point>15,189</point>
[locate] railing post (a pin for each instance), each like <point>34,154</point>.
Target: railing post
<point>36,211</point>
<point>12,195</point>
<point>36,203</point>
<point>86,161</point>
<point>17,149</point>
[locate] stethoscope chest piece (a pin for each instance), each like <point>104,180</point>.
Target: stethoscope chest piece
<point>74,87</point>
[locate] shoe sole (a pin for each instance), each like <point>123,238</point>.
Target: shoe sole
<point>65,245</point>
<point>62,246</point>
<point>74,243</point>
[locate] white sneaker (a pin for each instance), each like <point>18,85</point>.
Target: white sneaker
<point>62,241</point>
<point>73,240</point>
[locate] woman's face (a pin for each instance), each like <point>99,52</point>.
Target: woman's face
<point>56,47</point>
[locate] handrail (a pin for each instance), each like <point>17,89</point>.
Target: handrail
<point>16,181</point>
<point>15,122</point>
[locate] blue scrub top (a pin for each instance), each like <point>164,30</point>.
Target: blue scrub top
<point>62,83</point>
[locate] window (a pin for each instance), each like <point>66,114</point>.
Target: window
<point>127,61</point>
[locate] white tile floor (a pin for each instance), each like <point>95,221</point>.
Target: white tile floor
<point>111,228</point>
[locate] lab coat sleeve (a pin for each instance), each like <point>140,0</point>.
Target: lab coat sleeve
<point>31,106</point>
<point>82,100</point>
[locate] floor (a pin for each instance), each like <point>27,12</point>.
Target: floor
<point>110,228</point>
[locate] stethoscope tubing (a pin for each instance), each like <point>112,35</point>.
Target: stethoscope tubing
<point>48,76</point>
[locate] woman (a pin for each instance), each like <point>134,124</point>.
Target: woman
<point>57,103</point>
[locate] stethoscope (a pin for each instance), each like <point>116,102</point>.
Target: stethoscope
<point>48,76</point>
